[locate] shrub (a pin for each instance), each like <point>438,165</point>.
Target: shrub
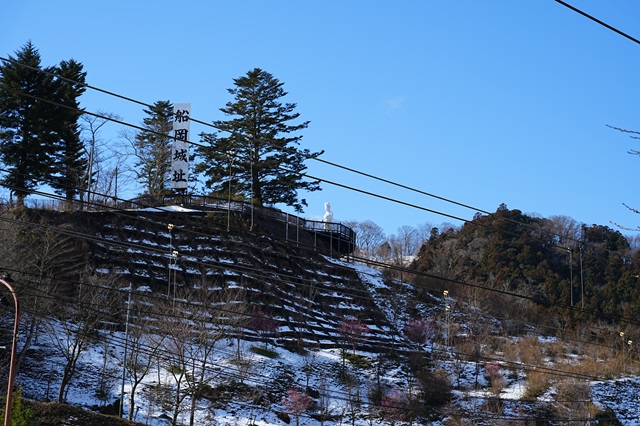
<point>530,351</point>
<point>435,386</point>
<point>352,330</point>
<point>536,384</point>
<point>574,398</point>
<point>419,330</point>
<point>358,361</point>
<point>493,374</point>
<point>265,352</point>
<point>20,415</point>
<point>393,407</point>
<point>493,405</point>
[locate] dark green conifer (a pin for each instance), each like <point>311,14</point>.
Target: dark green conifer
<point>28,129</point>
<point>152,149</point>
<point>70,162</point>
<point>259,145</point>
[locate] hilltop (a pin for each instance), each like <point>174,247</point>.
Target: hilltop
<point>237,320</point>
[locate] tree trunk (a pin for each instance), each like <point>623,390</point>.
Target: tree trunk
<point>132,399</point>
<point>66,378</point>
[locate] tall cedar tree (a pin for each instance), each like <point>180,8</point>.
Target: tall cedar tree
<point>266,166</point>
<point>28,128</point>
<point>152,148</point>
<point>70,161</point>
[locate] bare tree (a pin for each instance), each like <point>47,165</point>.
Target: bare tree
<point>352,331</point>
<point>151,149</point>
<point>211,321</point>
<point>176,338</point>
<point>404,244</point>
<point>107,377</point>
<point>142,344</point>
<point>79,318</point>
<point>264,324</point>
<point>97,151</point>
<point>423,233</point>
<point>44,265</point>
<point>198,320</point>
<point>370,237</point>
<point>562,230</point>
<point>296,403</point>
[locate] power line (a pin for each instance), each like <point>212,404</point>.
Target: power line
<point>410,205</point>
<point>291,171</point>
<point>240,268</point>
<point>552,372</point>
<point>598,21</point>
<point>176,314</point>
<point>309,176</point>
<point>380,264</point>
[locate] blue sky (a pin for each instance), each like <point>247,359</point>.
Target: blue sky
<point>481,103</point>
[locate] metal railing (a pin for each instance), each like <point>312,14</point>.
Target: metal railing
<point>336,236</point>
<point>340,232</point>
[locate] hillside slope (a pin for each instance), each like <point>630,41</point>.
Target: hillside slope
<point>415,355</point>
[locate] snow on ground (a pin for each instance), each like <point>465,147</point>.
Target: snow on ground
<point>167,209</point>
<point>621,396</point>
<point>41,372</point>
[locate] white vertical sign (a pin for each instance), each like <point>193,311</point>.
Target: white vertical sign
<point>180,151</point>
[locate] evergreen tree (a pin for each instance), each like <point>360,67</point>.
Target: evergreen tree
<point>259,155</point>
<point>28,135</point>
<point>152,149</point>
<point>70,160</point>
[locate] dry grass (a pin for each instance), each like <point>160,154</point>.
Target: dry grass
<point>537,382</point>
<point>574,399</point>
<point>530,351</point>
<point>555,350</point>
<point>511,353</point>
<point>602,368</point>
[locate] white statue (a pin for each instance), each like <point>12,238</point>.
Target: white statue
<point>328,216</point>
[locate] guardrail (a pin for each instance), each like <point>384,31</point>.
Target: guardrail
<point>344,236</point>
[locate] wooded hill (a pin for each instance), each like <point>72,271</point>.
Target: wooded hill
<point>560,270</point>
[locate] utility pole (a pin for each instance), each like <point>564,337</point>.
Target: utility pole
<point>581,279</point>
<point>571,273</point>
<point>12,365</point>
<point>126,344</point>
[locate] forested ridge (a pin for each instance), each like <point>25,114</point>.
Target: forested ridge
<point>560,267</point>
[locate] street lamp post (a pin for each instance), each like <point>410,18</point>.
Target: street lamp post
<point>170,227</point>
<point>7,413</point>
<point>447,310</point>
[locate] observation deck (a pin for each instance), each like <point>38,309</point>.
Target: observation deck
<point>335,239</point>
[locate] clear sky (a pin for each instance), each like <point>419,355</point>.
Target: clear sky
<point>481,103</point>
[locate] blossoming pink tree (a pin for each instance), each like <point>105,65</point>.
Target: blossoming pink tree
<point>393,407</point>
<point>419,330</point>
<point>352,330</point>
<point>265,325</point>
<point>296,403</point>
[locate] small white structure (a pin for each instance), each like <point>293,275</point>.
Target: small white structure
<point>328,216</point>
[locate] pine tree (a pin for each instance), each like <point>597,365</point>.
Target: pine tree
<point>152,149</point>
<point>28,136</point>
<point>70,160</point>
<point>259,155</point>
